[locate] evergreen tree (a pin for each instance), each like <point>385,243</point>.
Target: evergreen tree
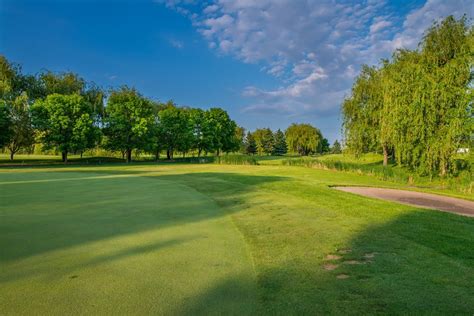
<point>336,148</point>
<point>324,146</point>
<point>264,140</point>
<point>250,144</point>
<point>280,147</point>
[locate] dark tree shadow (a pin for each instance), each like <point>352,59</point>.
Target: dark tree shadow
<point>33,270</point>
<point>421,262</point>
<point>39,217</point>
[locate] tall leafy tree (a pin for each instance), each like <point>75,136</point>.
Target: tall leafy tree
<point>220,131</point>
<point>280,147</point>
<point>8,72</point>
<point>186,134</point>
<point>201,139</point>
<point>264,140</point>
<point>240,139</point>
<point>419,104</point>
<point>447,55</point>
<point>363,113</point>
<point>71,83</point>
<point>303,139</point>
<point>15,91</point>
<point>65,123</point>
<point>21,129</point>
<point>128,121</point>
<point>5,125</point>
<point>13,83</point>
<point>62,83</point>
<point>175,130</point>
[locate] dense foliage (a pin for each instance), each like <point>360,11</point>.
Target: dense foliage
<point>65,122</point>
<point>303,139</point>
<point>417,107</point>
<point>128,121</point>
<point>64,113</point>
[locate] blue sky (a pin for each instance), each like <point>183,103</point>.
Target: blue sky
<point>268,63</point>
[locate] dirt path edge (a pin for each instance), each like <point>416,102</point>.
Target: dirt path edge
<point>414,198</point>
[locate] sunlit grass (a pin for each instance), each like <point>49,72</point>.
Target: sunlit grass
<point>208,238</point>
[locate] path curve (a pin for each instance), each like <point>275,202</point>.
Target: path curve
<point>419,199</point>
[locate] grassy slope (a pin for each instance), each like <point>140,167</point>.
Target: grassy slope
<point>165,240</point>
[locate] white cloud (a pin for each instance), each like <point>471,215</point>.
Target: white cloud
<point>176,44</point>
<point>211,9</point>
<point>379,25</point>
<point>314,47</point>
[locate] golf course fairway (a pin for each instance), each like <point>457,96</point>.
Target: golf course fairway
<point>215,239</point>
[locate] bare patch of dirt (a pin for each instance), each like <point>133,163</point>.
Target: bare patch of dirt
<point>330,266</point>
<point>332,257</point>
<point>369,255</point>
<point>353,262</point>
<point>418,199</point>
<point>342,276</point>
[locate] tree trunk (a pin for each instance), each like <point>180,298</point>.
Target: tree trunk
<point>157,155</point>
<point>199,152</point>
<point>129,155</point>
<point>218,152</point>
<point>64,156</point>
<point>81,154</point>
<point>168,154</point>
<point>385,155</point>
<point>12,154</point>
<point>444,169</point>
<point>184,154</point>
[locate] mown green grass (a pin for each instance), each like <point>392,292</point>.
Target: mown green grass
<point>220,239</point>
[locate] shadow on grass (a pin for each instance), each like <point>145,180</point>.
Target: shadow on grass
<point>95,260</point>
<point>39,217</point>
<point>421,262</point>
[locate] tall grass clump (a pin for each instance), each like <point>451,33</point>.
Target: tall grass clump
<point>236,160</point>
<point>462,181</point>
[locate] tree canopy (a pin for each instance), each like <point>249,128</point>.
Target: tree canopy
<point>303,139</point>
<point>65,122</point>
<point>418,105</point>
<point>128,121</point>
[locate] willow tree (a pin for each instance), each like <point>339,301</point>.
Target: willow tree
<point>447,55</point>
<point>419,104</point>
<point>404,108</point>
<point>22,133</point>
<point>428,96</point>
<point>303,139</point>
<point>364,114</point>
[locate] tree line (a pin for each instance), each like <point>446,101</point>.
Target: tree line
<point>417,107</point>
<point>67,114</point>
<point>301,139</point>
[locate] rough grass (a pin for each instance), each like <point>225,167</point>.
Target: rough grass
<point>236,160</point>
<point>223,239</point>
<point>371,164</point>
